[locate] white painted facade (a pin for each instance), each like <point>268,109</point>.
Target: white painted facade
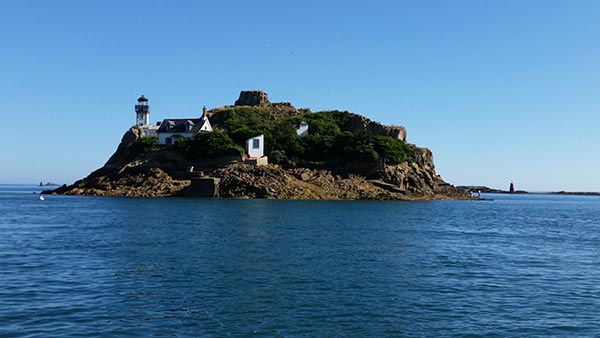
<point>302,130</point>
<point>255,146</point>
<point>206,124</point>
<point>150,130</point>
<point>142,118</point>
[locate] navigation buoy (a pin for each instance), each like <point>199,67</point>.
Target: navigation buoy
<point>42,198</point>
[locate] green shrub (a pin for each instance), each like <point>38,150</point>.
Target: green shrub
<point>393,150</point>
<point>326,123</point>
<point>317,148</point>
<point>144,144</point>
<point>278,156</point>
<point>214,144</point>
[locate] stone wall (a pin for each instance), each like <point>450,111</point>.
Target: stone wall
<point>203,187</point>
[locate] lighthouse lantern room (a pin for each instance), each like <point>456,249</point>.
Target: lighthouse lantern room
<point>142,111</point>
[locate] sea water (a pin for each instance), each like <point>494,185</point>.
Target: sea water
<point>517,266</point>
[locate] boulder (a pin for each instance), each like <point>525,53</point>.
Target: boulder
<point>132,135</point>
<point>124,154</point>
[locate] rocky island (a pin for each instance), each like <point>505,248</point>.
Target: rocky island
<point>259,149</point>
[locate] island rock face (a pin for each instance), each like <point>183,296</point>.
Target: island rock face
<point>360,122</point>
<point>140,168</point>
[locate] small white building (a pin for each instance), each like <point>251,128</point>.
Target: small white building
<point>255,146</point>
<point>302,130</point>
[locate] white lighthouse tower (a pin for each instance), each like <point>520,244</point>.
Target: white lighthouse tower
<point>142,112</point>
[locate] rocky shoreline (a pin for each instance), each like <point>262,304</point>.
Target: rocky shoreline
<point>239,180</point>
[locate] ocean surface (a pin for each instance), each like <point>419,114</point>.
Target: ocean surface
<point>517,266</point>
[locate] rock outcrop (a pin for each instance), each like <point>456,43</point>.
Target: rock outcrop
<point>124,151</point>
<point>252,98</point>
<point>134,182</point>
<point>360,122</point>
<point>275,182</point>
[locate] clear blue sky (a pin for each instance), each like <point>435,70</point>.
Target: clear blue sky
<point>498,90</point>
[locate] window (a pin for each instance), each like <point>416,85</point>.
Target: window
<point>255,143</point>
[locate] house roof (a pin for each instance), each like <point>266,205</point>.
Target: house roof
<point>180,125</point>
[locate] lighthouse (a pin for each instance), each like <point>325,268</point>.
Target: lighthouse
<point>142,111</point>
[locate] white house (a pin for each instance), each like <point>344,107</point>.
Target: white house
<point>255,146</point>
<point>302,130</point>
<point>171,129</point>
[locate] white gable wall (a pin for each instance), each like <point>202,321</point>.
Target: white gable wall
<point>206,126</point>
<point>255,146</point>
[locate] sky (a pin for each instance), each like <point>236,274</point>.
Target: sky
<point>500,91</point>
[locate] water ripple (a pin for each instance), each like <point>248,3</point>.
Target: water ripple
<point>520,266</point>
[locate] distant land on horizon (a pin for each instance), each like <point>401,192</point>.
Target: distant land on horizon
<point>486,189</point>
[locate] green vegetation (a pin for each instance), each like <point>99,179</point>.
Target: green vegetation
<point>243,123</point>
<point>330,139</point>
<point>202,145</point>
<point>144,144</point>
<point>394,151</point>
